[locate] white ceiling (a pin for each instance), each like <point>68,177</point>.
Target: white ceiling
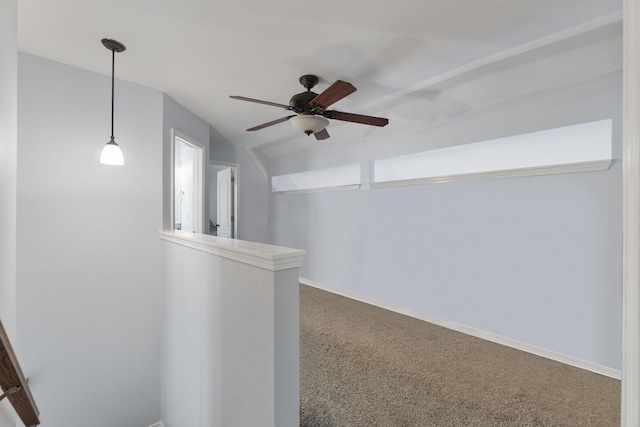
<point>411,60</point>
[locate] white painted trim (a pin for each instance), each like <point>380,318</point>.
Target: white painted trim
<point>220,163</point>
<point>630,410</point>
<point>478,333</point>
<point>320,189</point>
<point>598,165</point>
<point>268,257</point>
<point>172,180</point>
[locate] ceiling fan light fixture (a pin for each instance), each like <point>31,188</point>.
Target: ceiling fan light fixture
<point>309,123</point>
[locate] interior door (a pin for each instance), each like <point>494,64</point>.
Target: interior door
<point>225,203</point>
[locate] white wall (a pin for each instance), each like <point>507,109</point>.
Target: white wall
<point>253,188</point>
<point>534,259</point>
<point>175,116</point>
<point>191,378</point>
<point>8,171</point>
<point>89,282</point>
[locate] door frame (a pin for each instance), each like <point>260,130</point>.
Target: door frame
<point>236,182</point>
<point>200,166</point>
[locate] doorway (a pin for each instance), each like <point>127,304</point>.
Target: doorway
<point>188,188</point>
<point>223,199</point>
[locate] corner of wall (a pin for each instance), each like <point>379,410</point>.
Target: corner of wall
<point>8,174</point>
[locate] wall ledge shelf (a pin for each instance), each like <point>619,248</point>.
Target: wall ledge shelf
<point>592,166</point>
<point>268,257</point>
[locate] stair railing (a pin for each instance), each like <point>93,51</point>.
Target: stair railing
<point>14,385</point>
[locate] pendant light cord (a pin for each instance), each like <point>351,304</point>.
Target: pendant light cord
<point>113,67</point>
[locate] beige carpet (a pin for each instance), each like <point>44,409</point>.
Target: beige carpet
<point>364,366</point>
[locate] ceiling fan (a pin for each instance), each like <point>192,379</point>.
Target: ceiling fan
<point>311,108</point>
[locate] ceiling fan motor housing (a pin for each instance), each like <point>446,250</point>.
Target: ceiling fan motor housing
<point>300,102</point>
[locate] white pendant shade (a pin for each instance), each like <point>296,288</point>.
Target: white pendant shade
<point>308,123</point>
<point>111,154</point>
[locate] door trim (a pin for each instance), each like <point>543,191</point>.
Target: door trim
<point>630,412</point>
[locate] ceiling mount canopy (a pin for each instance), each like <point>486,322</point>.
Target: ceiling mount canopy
<point>111,153</point>
<point>113,45</point>
<point>309,81</point>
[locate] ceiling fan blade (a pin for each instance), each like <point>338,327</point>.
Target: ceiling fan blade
<point>357,118</point>
<point>271,123</point>
<point>244,98</point>
<point>321,134</point>
<point>333,93</point>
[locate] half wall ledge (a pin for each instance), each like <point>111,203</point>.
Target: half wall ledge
<point>230,332</point>
<point>268,257</point>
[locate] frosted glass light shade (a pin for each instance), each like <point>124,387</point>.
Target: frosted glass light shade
<point>111,154</point>
<point>308,123</point>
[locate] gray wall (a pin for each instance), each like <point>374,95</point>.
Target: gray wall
<point>535,259</point>
<point>175,116</point>
<point>253,188</point>
<point>8,171</point>
<point>89,288</point>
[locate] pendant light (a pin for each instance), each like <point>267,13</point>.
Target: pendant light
<point>111,153</point>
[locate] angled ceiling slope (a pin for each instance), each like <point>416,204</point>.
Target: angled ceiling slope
<point>396,54</point>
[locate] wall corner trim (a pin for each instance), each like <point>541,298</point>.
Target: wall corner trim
<point>268,257</point>
<point>319,189</point>
<point>478,333</point>
<point>630,410</point>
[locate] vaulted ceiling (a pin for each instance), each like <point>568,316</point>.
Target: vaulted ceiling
<point>413,61</point>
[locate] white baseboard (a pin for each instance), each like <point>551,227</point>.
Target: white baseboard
<point>539,351</point>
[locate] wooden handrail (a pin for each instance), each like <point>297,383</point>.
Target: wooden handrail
<point>14,385</point>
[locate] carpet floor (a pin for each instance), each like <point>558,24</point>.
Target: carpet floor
<point>361,365</point>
